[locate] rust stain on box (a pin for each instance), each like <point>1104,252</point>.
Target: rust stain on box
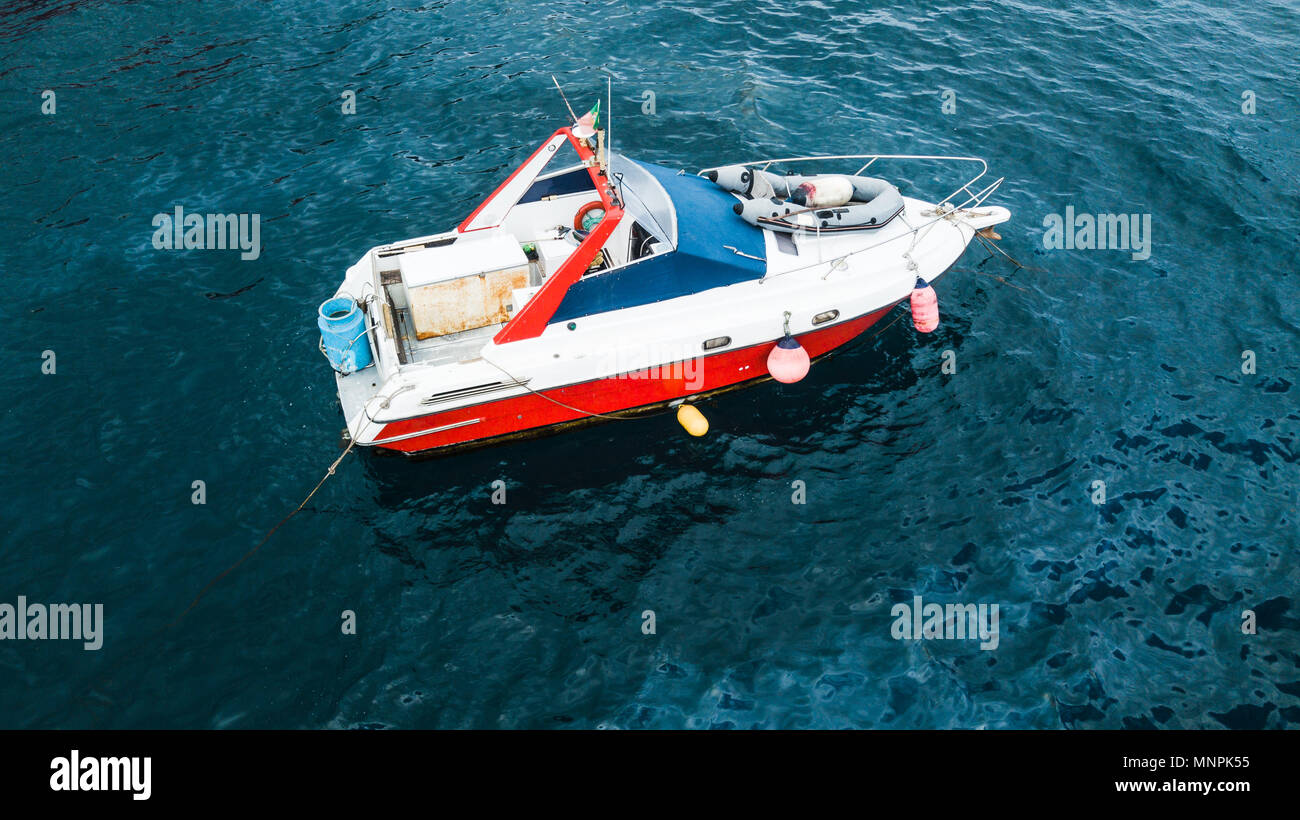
<point>464,304</point>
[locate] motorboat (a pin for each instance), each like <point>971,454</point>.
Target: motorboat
<point>589,286</point>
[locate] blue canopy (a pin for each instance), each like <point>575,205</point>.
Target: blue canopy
<point>706,224</point>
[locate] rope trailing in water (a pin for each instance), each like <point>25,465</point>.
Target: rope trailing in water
<point>107,676</point>
<point>991,246</point>
<point>265,538</point>
<point>900,315</point>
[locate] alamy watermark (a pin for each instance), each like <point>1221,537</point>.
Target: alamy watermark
<point>1116,232</point>
<point>937,622</point>
<point>197,231</point>
<point>53,622</point>
<point>75,773</point>
<point>655,362</point>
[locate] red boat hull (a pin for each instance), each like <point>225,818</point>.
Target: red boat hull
<point>536,413</point>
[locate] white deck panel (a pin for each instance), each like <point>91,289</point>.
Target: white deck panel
<point>468,255</point>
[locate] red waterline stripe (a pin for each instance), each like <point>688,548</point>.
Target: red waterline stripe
<point>531,411</point>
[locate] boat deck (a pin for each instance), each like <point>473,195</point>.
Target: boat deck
<point>454,347</point>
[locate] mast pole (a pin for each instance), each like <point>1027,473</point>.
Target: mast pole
<point>572,116</point>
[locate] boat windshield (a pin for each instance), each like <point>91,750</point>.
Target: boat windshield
<point>644,199</point>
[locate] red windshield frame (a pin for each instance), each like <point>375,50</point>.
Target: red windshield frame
<point>536,314</point>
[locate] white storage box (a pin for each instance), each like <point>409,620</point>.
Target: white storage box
<point>465,285</point>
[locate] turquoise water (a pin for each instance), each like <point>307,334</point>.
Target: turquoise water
<point>181,366</point>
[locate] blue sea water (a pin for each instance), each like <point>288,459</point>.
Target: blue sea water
<point>973,487</point>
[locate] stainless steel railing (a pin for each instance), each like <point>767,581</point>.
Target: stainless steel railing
<point>973,198</point>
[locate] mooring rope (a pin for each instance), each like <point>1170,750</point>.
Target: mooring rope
<point>351,443</point>
<point>108,676</point>
<point>990,245</point>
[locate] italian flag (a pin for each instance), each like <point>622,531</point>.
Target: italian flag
<point>586,125</point>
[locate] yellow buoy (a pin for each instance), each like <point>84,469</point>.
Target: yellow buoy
<point>693,420</point>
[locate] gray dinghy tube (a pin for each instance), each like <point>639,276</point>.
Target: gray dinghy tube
<point>875,202</point>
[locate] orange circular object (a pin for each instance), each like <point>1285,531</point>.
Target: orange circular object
<point>583,211</point>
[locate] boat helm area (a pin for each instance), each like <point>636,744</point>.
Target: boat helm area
<point>442,297</point>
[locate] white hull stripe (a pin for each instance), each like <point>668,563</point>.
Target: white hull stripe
<point>425,432</point>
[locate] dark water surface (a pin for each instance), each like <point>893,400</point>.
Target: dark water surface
<point>973,487</point>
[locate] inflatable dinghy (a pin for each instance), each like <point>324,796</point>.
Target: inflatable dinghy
<point>830,203</point>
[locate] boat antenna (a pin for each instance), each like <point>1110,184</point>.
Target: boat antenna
<point>573,117</point>
<point>609,116</point>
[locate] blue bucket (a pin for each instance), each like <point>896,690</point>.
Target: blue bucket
<point>343,335</point>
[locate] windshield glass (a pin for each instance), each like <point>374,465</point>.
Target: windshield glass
<point>644,199</point>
